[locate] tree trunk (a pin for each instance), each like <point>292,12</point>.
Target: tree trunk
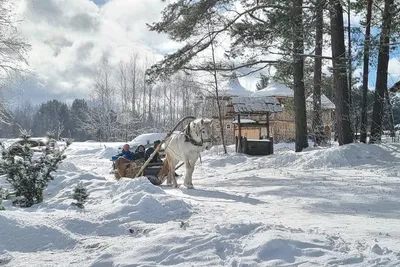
<point>350,62</point>
<point>298,77</point>
<point>364,104</point>
<point>342,93</point>
<point>220,115</point>
<point>150,119</point>
<point>390,110</point>
<point>171,108</point>
<point>165,106</point>
<point>317,124</point>
<point>144,100</point>
<point>133,65</point>
<point>382,71</point>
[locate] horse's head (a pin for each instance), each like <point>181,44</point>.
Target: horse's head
<point>204,131</point>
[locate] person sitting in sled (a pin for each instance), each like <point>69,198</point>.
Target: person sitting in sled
<point>139,153</point>
<point>127,159</point>
<point>150,150</point>
<point>126,153</point>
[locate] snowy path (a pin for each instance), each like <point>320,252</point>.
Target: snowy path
<point>328,207</point>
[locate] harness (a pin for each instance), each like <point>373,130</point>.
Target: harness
<point>188,136</point>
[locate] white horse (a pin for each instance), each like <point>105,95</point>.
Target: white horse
<point>186,146</point>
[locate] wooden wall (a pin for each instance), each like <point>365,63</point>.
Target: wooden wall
<point>251,132</point>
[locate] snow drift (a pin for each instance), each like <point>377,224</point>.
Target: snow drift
<point>287,209</point>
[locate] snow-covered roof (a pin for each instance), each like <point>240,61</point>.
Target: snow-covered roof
<point>232,87</point>
<point>275,89</point>
<point>244,121</point>
<point>325,102</point>
<point>252,104</point>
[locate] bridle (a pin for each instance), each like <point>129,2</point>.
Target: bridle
<point>189,138</point>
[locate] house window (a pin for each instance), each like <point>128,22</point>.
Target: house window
<point>228,126</point>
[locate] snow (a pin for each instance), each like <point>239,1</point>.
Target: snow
<point>323,207</point>
<point>325,102</point>
<point>244,121</point>
<point>275,89</point>
<point>145,140</point>
<point>232,87</point>
<point>148,138</point>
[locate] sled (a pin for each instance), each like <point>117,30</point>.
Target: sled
<point>162,142</point>
<point>151,171</point>
<point>147,169</point>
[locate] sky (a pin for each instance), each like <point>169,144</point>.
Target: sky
<point>70,37</point>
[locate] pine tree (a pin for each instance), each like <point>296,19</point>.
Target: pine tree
<point>80,195</point>
<point>342,90</point>
<point>317,124</point>
<point>29,172</point>
<point>367,41</point>
<point>382,72</point>
<point>255,29</point>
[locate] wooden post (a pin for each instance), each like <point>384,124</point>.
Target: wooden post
<point>236,143</point>
<point>271,151</point>
<point>239,135</point>
<point>268,135</point>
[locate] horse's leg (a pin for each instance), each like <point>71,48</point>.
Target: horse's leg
<point>163,172</point>
<point>170,171</point>
<point>189,172</point>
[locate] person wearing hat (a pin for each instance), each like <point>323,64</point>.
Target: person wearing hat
<point>126,153</point>
<point>140,152</point>
<point>150,150</point>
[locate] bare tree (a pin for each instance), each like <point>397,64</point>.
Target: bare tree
<point>59,129</point>
<point>220,115</point>
<point>133,70</point>
<point>100,121</point>
<point>13,49</point>
<point>123,85</point>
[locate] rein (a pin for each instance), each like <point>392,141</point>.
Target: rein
<point>189,138</point>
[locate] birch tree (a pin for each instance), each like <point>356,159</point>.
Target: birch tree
<point>13,50</point>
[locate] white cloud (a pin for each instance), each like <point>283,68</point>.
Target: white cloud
<point>69,38</point>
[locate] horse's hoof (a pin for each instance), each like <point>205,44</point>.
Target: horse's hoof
<point>177,185</point>
<point>169,184</point>
<point>189,186</point>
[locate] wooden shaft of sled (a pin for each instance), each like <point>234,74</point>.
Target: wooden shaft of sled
<point>162,142</point>
<point>149,159</point>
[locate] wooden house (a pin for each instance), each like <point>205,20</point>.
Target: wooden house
<point>327,113</point>
<point>282,124</point>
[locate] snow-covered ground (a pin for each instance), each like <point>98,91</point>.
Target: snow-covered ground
<point>323,207</point>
